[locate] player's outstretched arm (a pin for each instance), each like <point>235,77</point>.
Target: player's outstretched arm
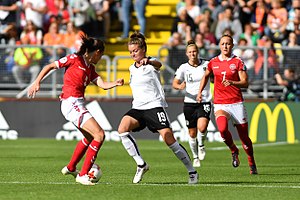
<point>35,87</point>
<point>108,85</point>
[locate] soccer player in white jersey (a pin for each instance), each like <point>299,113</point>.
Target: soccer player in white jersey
<point>230,75</point>
<point>148,109</point>
<point>197,115</point>
<point>79,72</point>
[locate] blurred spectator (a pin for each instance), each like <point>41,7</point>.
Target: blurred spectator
<point>297,24</point>
<point>182,23</point>
<point>9,37</point>
<point>58,8</point>
<point>206,16</point>
<point>35,11</point>
<point>176,56</point>
<point>61,23</point>
<point>241,11</point>
<point>259,15</point>
<point>204,29</point>
<point>72,38</point>
<point>8,13</point>
<point>35,35</point>
<point>250,35</point>
<point>101,22</point>
<point>276,22</point>
<point>292,40</point>
<point>223,5</point>
<point>26,60</point>
<point>291,85</point>
<point>57,11</point>
<point>293,14</point>
<point>291,55</point>
<point>115,14</point>
<point>214,8</point>
<point>273,65</point>
<point>202,40</point>
<point>192,9</point>
<point>201,44</point>
<point>79,14</point>
<point>53,38</point>
<point>181,3</point>
<point>236,8</point>
<point>229,22</point>
<point>175,40</point>
<point>247,55</point>
<point>208,38</point>
<point>140,9</point>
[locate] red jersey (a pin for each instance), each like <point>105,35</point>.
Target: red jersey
<point>77,75</point>
<point>226,69</point>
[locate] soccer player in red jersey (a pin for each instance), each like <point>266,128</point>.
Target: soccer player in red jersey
<point>79,72</point>
<point>230,76</point>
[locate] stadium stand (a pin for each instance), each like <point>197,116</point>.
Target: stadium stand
<point>160,15</point>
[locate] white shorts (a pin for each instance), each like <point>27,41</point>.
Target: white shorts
<point>74,110</point>
<point>237,112</point>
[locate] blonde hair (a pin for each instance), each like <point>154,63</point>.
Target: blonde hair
<point>191,43</point>
<point>138,39</point>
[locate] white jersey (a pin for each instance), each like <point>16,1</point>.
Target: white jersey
<point>146,87</point>
<point>192,77</point>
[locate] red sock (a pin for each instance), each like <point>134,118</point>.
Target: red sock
<point>79,152</point>
<point>91,156</point>
<point>222,124</point>
<point>247,143</point>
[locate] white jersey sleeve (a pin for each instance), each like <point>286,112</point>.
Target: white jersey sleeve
<point>180,73</point>
<point>146,87</point>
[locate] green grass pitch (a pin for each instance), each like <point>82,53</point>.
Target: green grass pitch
<point>30,169</point>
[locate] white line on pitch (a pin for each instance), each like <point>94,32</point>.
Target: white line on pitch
<point>164,185</point>
<point>255,145</point>
<point>228,185</point>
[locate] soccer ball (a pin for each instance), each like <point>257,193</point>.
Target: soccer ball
<point>95,173</point>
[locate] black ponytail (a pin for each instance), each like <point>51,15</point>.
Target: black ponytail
<point>90,44</point>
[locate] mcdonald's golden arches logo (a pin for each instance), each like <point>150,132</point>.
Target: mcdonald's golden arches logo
<point>272,121</point>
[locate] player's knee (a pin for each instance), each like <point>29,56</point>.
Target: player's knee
<point>202,129</point>
<point>168,137</point>
<point>121,130</point>
<point>100,135</point>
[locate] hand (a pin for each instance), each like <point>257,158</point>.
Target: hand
<point>120,82</point>
<point>33,90</point>
<point>182,85</point>
<point>144,61</point>
<point>277,75</point>
<point>199,97</point>
<point>226,82</point>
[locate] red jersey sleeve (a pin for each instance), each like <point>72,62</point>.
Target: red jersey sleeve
<point>65,61</point>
